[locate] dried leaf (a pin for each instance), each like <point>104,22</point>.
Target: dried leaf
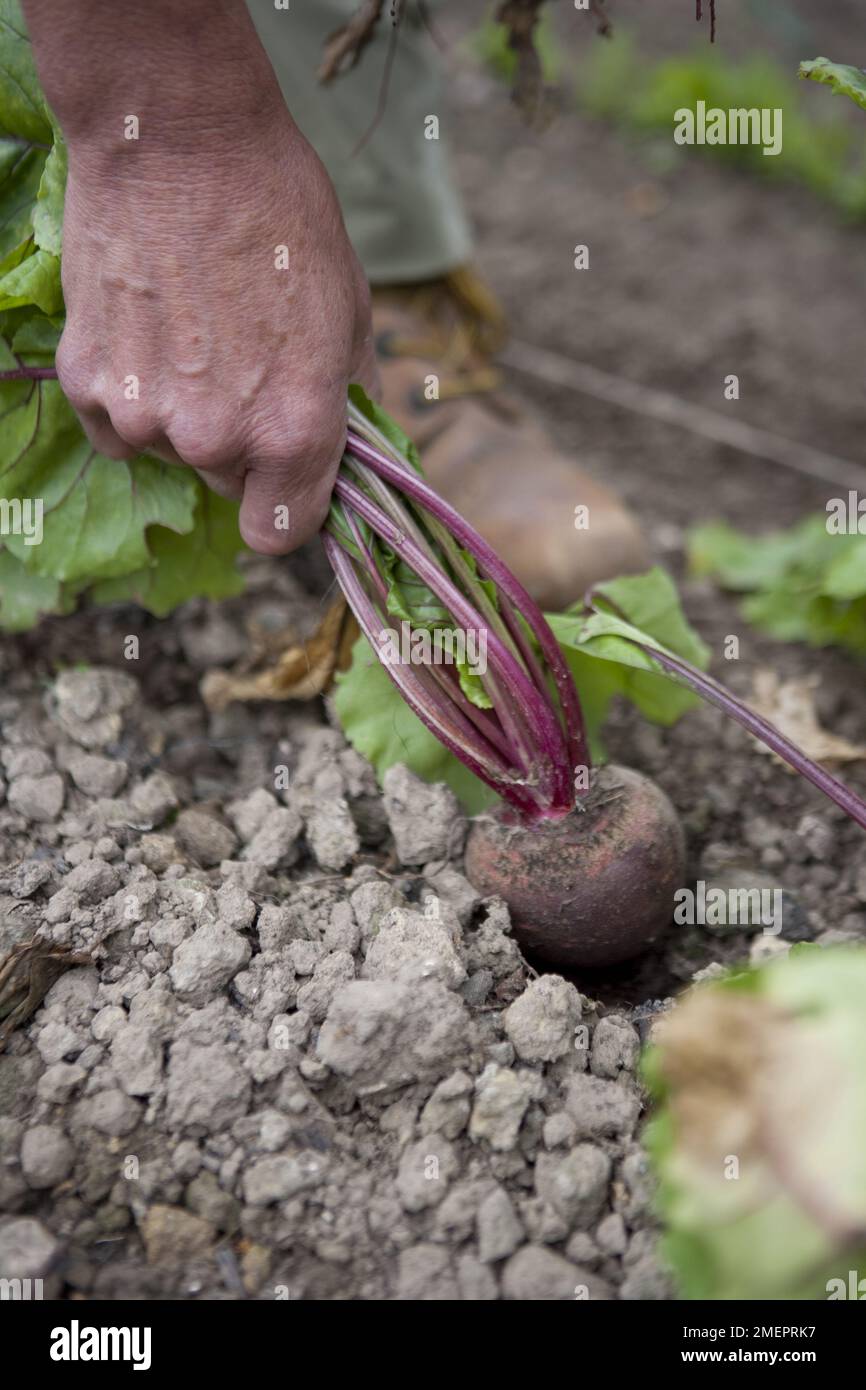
<point>303,671</point>
<point>790,705</point>
<point>26,975</point>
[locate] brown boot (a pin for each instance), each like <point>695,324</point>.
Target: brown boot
<point>492,462</point>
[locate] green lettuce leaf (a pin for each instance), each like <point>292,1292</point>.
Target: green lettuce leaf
<point>23,113</point>
<point>801,585</point>
<point>844,80</point>
<point>199,563</point>
<point>764,1066</point>
<point>651,613</point>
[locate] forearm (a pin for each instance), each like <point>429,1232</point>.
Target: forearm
<point>186,69</point>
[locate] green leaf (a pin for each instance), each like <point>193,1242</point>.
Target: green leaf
<point>652,614</point>
<point>23,112</point>
<point>35,281</point>
<point>776,1058</point>
<point>802,585</point>
<point>48,211</point>
<point>25,597</point>
<point>388,428</point>
<point>21,170</point>
<point>200,563</point>
<point>35,342</point>
<point>845,80</point>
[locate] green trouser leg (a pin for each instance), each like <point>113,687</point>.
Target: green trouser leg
<point>402,210</point>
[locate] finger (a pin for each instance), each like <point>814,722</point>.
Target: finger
<point>228,485</point>
<point>103,436</point>
<point>287,489</point>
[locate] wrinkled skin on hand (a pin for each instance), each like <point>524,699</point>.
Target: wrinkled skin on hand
<point>186,335</point>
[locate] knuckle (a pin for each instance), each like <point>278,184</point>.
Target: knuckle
<point>78,378</point>
<point>202,442</point>
<point>138,425</point>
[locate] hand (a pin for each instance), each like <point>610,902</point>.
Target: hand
<point>216,313</point>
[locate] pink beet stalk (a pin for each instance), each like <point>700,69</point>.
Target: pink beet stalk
<point>524,737</point>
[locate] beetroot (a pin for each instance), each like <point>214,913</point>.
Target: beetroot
<point>589,876</point>
<point>595,888</point>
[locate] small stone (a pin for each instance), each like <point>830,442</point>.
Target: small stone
<point>541,1022</point>
<point>371,902</point>
<point>107,1021</point>
<point>381,1033</point>
<point>501,1099</point>
<point>275,844</point>
<point>27,1249</point>
<point>305,956</point>
<point>611,1235</point>
<point>173,1236</point>
<point>136,1056</point>
<point>153,800</point>
<point>27,878</point>
<point>425,819</point>
<point>280,1176</point>
<point>425,1170</point>
<point>110,1112</point>
<point>208,1088</point>
<point>409,947</point>
<point>574,1185</point>
<point>448,1109</point>
<point>559,1129</point>
<point>425,1275</point>
<point>333,971</point>
<point>89,704</point>
<point>819,838</point>
<point>204,837</point>
<point>249,813</point>
<point>37,798</point>
<point>500,1231</point>
<point>25,761</point>
<point>204,963</point>
<point>93,881</point>
<point>57,1042</point>
<point>475,1281</point>
<point>600,1107</point>
<point>535,1274</point>
<point>332,834</point>
<point>235,907</point>
<point>342,932</point>
<point>57,1082</point>
<point>454,889</point>
<point>95,775</point>
<point>46,1156</point>
<point>615,1047</point>
<point>647,1281</point>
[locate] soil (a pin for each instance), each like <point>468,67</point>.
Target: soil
<point>308,1060</point>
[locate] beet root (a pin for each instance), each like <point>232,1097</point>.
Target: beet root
<point>595,888</point>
